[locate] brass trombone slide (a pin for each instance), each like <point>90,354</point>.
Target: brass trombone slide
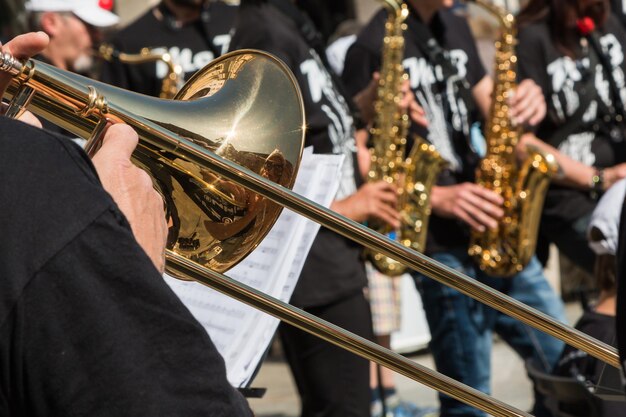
<point>342,338</point>
<point>85,110</point>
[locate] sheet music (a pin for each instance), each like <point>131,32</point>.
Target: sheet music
<point>242,333</point>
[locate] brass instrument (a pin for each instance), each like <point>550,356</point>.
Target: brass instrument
<point>414,175</point>
<point>172,81</point>
<point>215,152</point>
<point>507,249</point>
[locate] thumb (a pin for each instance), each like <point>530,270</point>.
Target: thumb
<point>120,140</point>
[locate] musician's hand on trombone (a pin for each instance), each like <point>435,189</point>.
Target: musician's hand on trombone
<point>26,117</point>
<point>23,47</point>
<point>372,200</point>
<point>528,105</point>
<point>133,191</point>
<point>477,206</point>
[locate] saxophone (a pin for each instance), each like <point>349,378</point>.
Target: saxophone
<point>414,175</point>
<point>507,249</point>
<point>172,81</point>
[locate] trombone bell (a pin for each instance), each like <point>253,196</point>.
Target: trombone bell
<point>245,107</point>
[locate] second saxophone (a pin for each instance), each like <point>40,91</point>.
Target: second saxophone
<point>507,249</point>
<point>415,174</point>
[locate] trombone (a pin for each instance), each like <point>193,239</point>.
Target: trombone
<point>196,150</point>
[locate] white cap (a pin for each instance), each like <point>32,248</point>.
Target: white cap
<point>92,12</point>
<point>606,217</point>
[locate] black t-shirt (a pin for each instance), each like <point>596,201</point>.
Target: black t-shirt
<point>88,327</point>
<point>565,83</point>
<point>576,363</point>
<point>192,46</point>
<point>333,268</point>
<point>447,111</point>
<point>601,378</point>
<point>618,7</point>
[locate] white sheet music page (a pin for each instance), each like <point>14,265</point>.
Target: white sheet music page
<point>242,333</point>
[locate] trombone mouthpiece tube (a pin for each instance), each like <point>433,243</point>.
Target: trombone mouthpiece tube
<point>9,64</point>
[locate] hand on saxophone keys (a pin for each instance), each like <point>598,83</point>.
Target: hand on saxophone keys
<point>409,104</point>
<point>475,205</point>
<point>366,99</point>
<point>376,200</point>
<point>527,104</point>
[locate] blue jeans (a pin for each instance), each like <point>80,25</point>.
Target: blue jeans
<point>462,327</point>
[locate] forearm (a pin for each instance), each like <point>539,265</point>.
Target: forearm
<point>571,173</point>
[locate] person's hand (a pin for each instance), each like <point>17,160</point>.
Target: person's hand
<point>365,99</point>
<point>372,200</point>
<point>409,104</point>
<point>477,206</point>
<point>22,47</point>
<point>132,190</point>
<point>26,117</point>
<point>613,174</point>
<point>527,104</point>
<point>363,156</point>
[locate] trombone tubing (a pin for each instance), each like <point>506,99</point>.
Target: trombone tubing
<point>340,337</point>
<point>156,135</point>
<point>417,261</point>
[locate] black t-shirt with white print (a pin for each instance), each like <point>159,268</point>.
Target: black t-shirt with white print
<point>449,119</point>
<point>333,269</point>
<point>192,46</point>
<point>566,82</point>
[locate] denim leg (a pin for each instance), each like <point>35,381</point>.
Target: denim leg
<point>461,340</point>
<point>531,288</point>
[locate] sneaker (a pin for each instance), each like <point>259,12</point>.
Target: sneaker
<point>408,409</point>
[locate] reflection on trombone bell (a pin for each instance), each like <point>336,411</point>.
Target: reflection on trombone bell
<point>215,222</point>
<point>172,82</point>
<point>249,109</point>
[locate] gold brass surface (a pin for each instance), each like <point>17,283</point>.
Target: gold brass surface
<point>165,147</point>
<point>245,107</point>
<point>507,249</point>
<point>342,338</point>
<point>413,175</point>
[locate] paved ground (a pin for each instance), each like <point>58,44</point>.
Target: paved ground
<point>509,382</point>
